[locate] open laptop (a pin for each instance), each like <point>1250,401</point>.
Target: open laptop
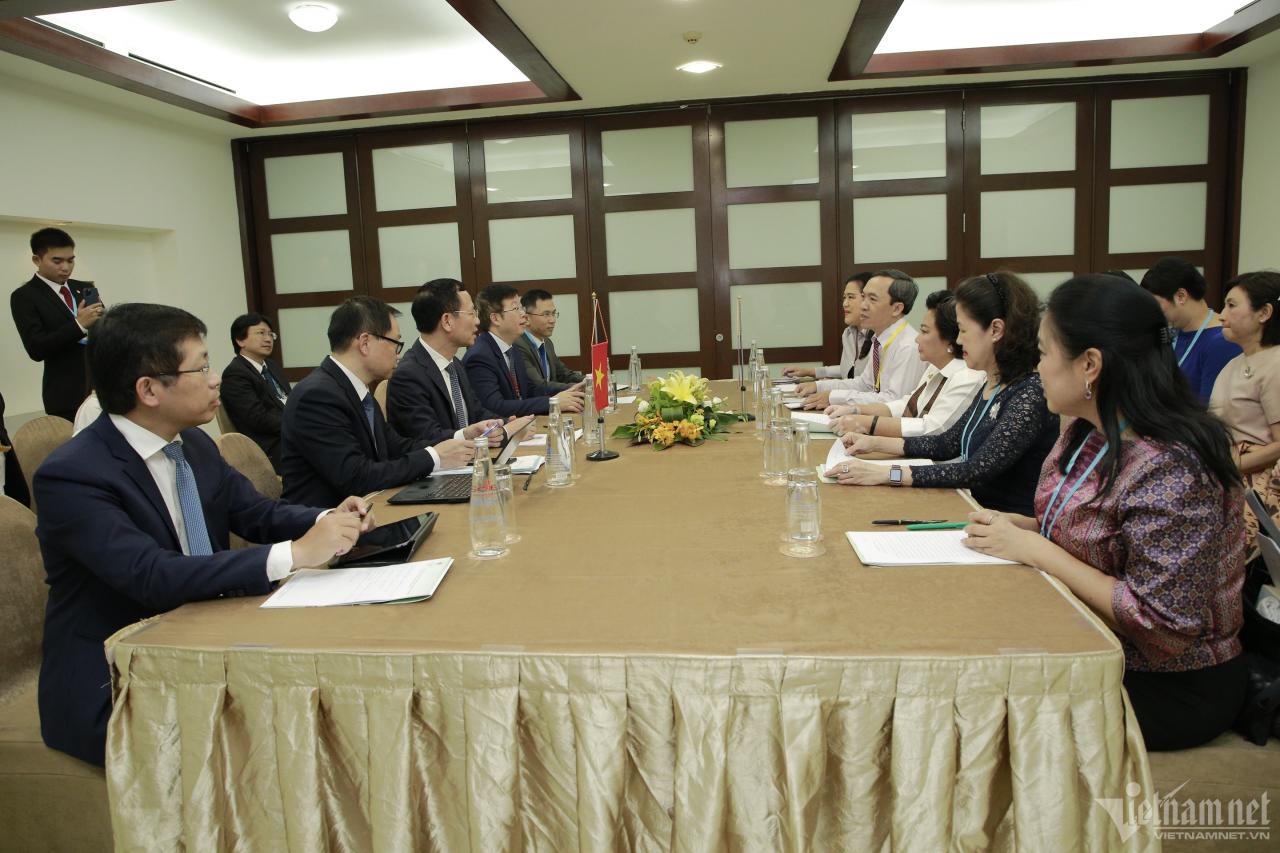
<point>453,488</point>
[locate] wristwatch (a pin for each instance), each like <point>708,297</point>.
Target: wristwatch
<point>895,475</point>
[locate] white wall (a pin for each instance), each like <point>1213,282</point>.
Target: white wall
<point>1260,199</point>
<point>151,205</point>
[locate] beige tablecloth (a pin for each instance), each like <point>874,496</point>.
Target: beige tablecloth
<point>644,671</point>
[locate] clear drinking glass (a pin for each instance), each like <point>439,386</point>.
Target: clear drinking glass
<point>590,427</point>
<point>777,452</point>
<point>488,530</point>
<point>507,494</point>
<point>762,387</point>
<point>572,456</point>
<point>804,514</point>
<point>559,455</point>
<point>799,444</point>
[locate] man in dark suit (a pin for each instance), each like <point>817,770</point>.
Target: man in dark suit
<point>429,397</point>
<point>335,439</point>
<point>495,368</point>
<point>539,353</point>
<point>53,319</point>
<point>254,390</point>
<point>136,511</point>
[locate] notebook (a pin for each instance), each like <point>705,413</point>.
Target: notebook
<point>918,548</point>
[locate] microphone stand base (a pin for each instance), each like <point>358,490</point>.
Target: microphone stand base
<point>601,455</point>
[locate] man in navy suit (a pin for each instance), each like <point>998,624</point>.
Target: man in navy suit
<point>52,319</point>
<point>495,368</point>
<point>254,390</point>
<point>135,514</point>
<point>429,396</point>
<point>335,439</point>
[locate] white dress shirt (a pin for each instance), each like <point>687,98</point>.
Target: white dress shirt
<point>87,413</point>
<point>442,364</point>
<point>57,291</point>
<point>851,345</point>
<point>151,447</point>
<point>900,371</point>
<point>952,402</point>
<point>363,391</point>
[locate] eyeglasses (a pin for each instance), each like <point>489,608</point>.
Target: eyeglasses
<point>519,308</point>
<point>268,335</point>
<point>399,345</point>
<point>548,314</point>
<point>204,370</point>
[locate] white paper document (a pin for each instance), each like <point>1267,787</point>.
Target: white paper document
<point>817,421</point>
<point>519,465</point>
<point>623,401</point>
<point>837,454</point>
<point>918,548</point>
<point>538,439</point>
<point>398,584</point>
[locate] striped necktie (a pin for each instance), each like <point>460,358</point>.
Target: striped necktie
<point>460,420</point>
<point>189,503</point>
<point>875,360</point>
<point>511,371</point>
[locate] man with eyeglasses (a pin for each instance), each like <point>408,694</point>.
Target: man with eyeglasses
<point>136,512</point>
<point>254,390</point>
<point>335,439</point>
<point>535,345</point>
<point>502,383</point>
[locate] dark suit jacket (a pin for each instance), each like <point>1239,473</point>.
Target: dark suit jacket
<point>112,557</point>
<point>487,370</point>
<point>252,406</point>
<point>50,334</point>
<point>327,451</point>
<point>15,485</point>
<point>561,377</point>
<point>418,400</point>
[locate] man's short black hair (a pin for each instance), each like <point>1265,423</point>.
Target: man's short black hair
<point>490,302</point>
<point>435,299</point>
<point>532,297</point>
<point>133,340</point>
<point>50,238</point>
<point>241,325</point>
<point>902,288</point>
<point>1169,275</point>
<point>358,315</point>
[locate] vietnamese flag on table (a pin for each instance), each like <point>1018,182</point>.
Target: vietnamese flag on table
<point>600,374</point>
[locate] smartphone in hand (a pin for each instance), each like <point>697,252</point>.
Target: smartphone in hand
<point>90,295</point>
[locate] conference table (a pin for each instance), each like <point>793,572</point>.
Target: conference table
<point>644,670</point>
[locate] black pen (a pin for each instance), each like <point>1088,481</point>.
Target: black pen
<point>901,521</point>
<point>528,480</point>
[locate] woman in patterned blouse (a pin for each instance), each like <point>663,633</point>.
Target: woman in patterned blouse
<point>997,446</point>
<point>1139,510</point>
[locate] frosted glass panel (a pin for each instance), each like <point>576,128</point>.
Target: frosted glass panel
<point>779,234</point>
<point>415,254</point>
<point>536,247</point>
<point>647,160</point>
<point>305,185</point>
<point>1157,218</point>
<point>566,334</point>
<point>1043,283</point>
<point>900,228</point>
<point>1028,222</point>
<point>1028,138</point>
<point>631,320</point>
<point>775,372</point>
<point>414,177</point>
<point>927,285</point>
<point>311,260</point>
<point>304,335</point>
<point>528,169</point>
<point>900,145</point>
<point>649,374</point>
<point>771,152</point>
<point>779,315</point>
<point>651,241</point>
<point>1160,131</point>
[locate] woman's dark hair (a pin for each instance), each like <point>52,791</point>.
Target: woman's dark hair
<point>1004,296</point>
<point>1140,379</point>
<point>943,305</point>
<point>1262,288</point>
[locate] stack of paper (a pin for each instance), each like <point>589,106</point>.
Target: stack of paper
<point>838,454</point>
<point>398,584</point>
<point>818,422</point>
<point>918,548</point>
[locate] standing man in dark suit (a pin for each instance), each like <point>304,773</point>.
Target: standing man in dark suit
<point>335,440</point>
<point>254,390</point>
<point>53,320</point>
<point>495,368</point>
<point>429,396</point>
<point>135,514</point>
<point>539,353</point>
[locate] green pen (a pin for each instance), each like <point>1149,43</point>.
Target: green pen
<point>945,525</point>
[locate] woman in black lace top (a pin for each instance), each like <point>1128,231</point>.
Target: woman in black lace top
<point>997,448</point>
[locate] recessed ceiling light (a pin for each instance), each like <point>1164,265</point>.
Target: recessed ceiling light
<point>313,17</point>
<point>699,66</point>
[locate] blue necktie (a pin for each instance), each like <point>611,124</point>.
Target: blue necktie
<point>546,366</point>
<point>455,390</point>
<point>276,387</point>
<point>368,414</point>
<point>189,503</point>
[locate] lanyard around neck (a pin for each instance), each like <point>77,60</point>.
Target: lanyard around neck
<point>966,435</point>
<point>1207,317</point>
<point>884,349</point>
<point>1050,515</point>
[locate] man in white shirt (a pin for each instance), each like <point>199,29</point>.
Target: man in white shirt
<point>136,512</point>
<point>894,369</point>
<point>852,339</point>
